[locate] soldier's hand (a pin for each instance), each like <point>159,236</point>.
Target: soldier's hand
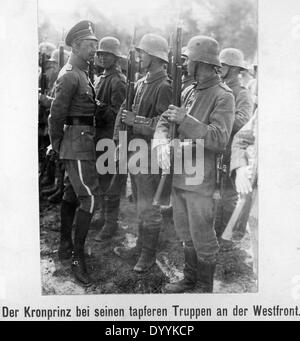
<point>128,117</point>
<point>242,180</point>
<point>163,156</point>
<point>175,114</point>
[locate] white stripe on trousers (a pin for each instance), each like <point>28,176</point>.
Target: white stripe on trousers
<point>86,187</point>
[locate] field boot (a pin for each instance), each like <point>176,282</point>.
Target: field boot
<point>190,273</point>
<point>148,255</point>
<point>205,276</point>
<point>133,252</point>
<point>111,220</point>
<point>83,220</point>
<point>67,213</point>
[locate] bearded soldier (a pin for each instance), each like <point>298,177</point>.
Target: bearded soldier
<point>152,98</point>
<point>110,94</point>
<point>206,115</point>
<point>74,106</point>
<point>232,61</point>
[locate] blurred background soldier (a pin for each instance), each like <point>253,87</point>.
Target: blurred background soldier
<point>74,106</point>
<point>233,63</point>
<point>207,113</point>
<point>153,96</point>
<point>110,94</point>
<point>53,167</point>
<point>45,51</point>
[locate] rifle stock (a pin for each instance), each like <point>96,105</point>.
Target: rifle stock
<point>163,191</point>
<point>228,232</point>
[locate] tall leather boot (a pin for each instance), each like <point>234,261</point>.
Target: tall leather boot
<point>83,220</point>
<point>133,252</point>
<point>111,220</point>
<point>67,213</point>
<point>148,255</point>
<point>205,276</point>
<point>190,272</point>
<point>100,221</point>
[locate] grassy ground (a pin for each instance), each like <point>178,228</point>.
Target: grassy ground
<point>234,272</point>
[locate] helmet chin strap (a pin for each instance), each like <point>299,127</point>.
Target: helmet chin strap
<point>195,70</point>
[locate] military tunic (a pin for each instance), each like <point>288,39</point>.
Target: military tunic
<point>72,132</point>
<point>210,115</point>
<point>111,93</point>
<point>153,96</point>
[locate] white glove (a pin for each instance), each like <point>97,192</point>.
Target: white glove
<point>163,156</point>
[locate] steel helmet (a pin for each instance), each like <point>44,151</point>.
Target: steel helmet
<point>233,57</point>
<point>55,56</point>
<point>154,45</point>
<point>203,49</point>
<point>110,45</point>
<point>47,48</point>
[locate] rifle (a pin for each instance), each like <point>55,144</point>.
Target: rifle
<point>163,191</point>
<point>118,180</point>
<point>61,56</point>
<point>242,202</point>
<point>221,170</point>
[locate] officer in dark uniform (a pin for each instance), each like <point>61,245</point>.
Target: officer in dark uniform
<point>110,94</point>
<point>72,133</point>
<point>207,114</point>
<point>153,96</point>
<point>233,63</point>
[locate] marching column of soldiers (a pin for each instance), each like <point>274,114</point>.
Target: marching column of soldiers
<point>76,114</point>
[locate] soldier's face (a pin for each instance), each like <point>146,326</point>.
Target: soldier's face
<point>224,70</point>
<point>86,49</point>
<point>107,60</point>
<point>200,71</point>
<point>145,60</point>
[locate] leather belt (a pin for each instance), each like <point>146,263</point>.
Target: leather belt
<point>80,120</point>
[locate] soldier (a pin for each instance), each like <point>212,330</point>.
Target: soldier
<point>52,69</point>
<point>152,98</point>
<point>232,61</point>
<point>243,157</point>
<point>207,113</point>
<point>46,173</point>
<point>110,94</point>
<point>74,106</point>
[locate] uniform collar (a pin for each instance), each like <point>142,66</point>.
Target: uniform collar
<point>232,82</point>
<point>214,80</point>
<point>150,78</point>
<point>78,62</point>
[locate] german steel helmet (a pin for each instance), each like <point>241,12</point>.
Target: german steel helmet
<point>47,48</point>
<point>55,56</point>
<point>110,45</point>
<point>233,57</point>
<point>203,49</point>
<point>154,45</point>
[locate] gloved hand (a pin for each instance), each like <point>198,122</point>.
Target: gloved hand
<point>242,180</point>
<point>163,156</point>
